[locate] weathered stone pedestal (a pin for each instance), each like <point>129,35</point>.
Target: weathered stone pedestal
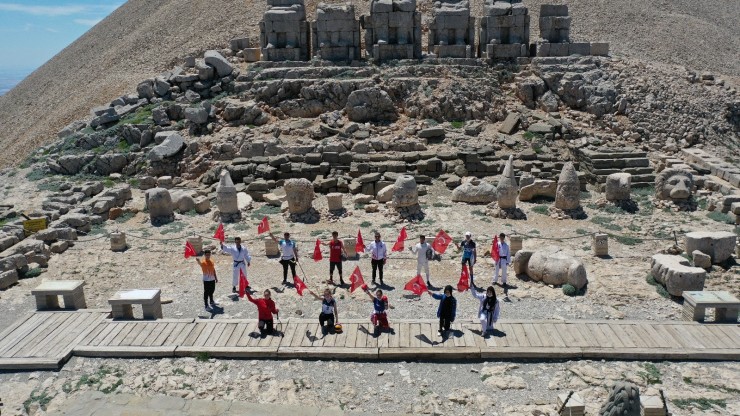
<point>336,33</point>
<point>118,241</point>
<point>515,244</point>
<point>284,31</point>
<point>392,30</point>
<point>600,245</point>
<point>451,30</point>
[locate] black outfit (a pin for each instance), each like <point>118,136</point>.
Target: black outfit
<point>326,319</point>
<point>377,266</point>
<point>332,266</point>
<point>209,287</point>
<point>285,264</point>
<point>446,314</point>
<point>266,327</point>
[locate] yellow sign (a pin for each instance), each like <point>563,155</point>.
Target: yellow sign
<point>34,225</point>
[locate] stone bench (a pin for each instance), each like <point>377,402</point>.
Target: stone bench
<point>48,292</point>
<point>149,299</point>
<point>726,306</point>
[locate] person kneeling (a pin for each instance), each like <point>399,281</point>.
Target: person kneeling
<point>379,318</point>
<point>329,313</point>
<point>265,309</point>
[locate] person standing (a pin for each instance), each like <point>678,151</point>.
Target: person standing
<point>469,252</point>
<point>378,256</point>
<point>242,260</point>
<point>288,255</point>
<point>209,279</point>
<point>446,310</point>
<point>423,251</point>
<point>503,260</point>
<point>336,250</point>
<point>265,308</point>
<point>488,310</point>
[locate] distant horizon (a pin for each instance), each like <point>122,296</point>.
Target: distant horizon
<point>34,31</point>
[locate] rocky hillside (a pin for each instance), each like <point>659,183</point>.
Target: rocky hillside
<point>143,38</point>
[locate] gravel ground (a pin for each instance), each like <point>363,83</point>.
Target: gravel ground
<point>150,37</point>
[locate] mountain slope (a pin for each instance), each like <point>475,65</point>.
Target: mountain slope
<point>143,38</point>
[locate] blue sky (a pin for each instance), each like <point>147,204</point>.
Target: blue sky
<point>33,31</point>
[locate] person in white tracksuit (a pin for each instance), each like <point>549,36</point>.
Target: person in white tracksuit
<point>503,261</point>
<point>422,261</point>
<point>489,309</point>
<point>242,260</point>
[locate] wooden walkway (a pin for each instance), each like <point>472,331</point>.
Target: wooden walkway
<point>45,340</point>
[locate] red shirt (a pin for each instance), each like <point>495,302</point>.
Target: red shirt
<point>265,307</point>
<point>335,250</point>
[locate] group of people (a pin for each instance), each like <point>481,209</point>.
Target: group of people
<point>488,310</point>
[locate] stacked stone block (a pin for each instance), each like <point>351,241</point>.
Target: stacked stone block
<point>284,31</point>
<point>392,30</point>
<point>555,35</point>
<point>504,30</point>
<point>336,33</point>
<point>452,29</point>
<point>599,164</point>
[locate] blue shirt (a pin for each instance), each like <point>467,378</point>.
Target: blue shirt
<point>468,247</point>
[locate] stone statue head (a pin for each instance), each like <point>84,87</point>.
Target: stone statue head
<point>674,184</point>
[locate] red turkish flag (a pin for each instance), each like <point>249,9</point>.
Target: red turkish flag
<point>189,250</point>
<point>416,285</point>
<point>263,226</point>
<point>360,245</point>
<point>463,284</point>
<point>399,242</point>
<point>494,250</point>
<point>299,285</point>
<point>356,279</point>
<point>317,251</point>
<point>220,235</point>
<point>441,241</point>
<point>243,283</point>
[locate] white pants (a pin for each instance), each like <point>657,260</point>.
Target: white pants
<point>502,265</point>
<point>484,327</point>
<point>425,266</point>
<point>235,279</point>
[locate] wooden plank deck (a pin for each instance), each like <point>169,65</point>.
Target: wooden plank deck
<point>45,340</point>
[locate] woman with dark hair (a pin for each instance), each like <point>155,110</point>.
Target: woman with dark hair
<point>446,310</point>
<point>489,308</point>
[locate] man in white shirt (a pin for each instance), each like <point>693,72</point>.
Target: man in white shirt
<point>241,258</point>
<point>503,260</point>
<point>288,255</point>
<point>378,255</point>
<point>422,261</point>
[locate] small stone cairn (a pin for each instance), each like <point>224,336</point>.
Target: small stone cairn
<point>507,192</point>
<point>567,195</point>
<point>405,200</point>
<point>299,195</point>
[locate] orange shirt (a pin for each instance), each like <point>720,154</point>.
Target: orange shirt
<point>209,271</point>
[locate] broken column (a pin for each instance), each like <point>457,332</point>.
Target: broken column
<point>284,31</point>
<point>226,199</point>
<point>504,30</point>
<point>392,30</point>
<point>451,30</point>
<point>336,33</point>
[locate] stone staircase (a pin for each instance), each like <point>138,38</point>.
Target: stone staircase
<point>600,163</point>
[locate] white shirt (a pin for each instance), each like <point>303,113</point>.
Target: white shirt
<point>503,251</point>
<point>421,251</point>
<point>239,256</point>
<point>378,250</point>
<point>288,249</point>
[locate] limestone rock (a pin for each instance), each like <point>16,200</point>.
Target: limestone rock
<point>677,274</point>
<point>334,200</point>
<point>701,260</point>
<point>202,205</point>
<point>226,198</point>
<point>370,104</point>
<point>568,192</point>
<point>552,266</point>
<point>299,194</point>
<point>69,164</point>
<point>405,192</point>
<point>168,148</point>
<point>216,60</point>
<point>159,204</point>
<point>8,278</point>
<point>719,245</point>
<point>618,186</point>
<point>244,201</point>
<point>540,187</point>
<point>474,191</point>
<point>507,189</point>
<point>385,194</point>
<point>196,115</point>
<point>182,200</point>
